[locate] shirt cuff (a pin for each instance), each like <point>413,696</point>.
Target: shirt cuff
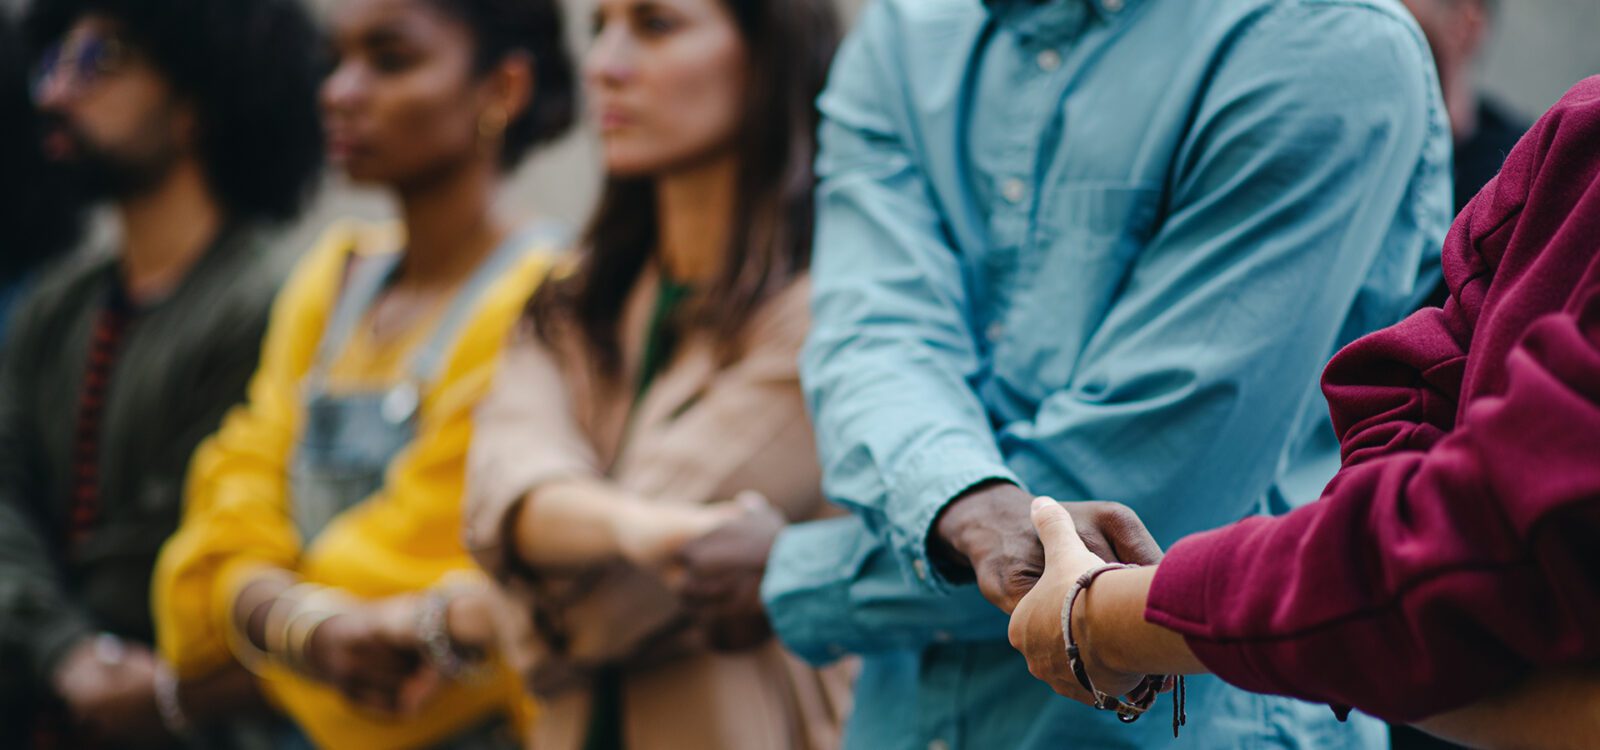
<point>806,589</point>
<point>938,476</point>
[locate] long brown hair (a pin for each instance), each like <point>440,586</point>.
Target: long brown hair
<point>790,43</point>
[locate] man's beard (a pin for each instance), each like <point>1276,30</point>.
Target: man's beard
<point>93,172</point>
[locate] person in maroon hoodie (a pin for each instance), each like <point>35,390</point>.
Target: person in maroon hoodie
<point>1450,573</point>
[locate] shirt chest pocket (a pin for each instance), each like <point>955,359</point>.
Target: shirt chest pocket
<point>1090,237</point>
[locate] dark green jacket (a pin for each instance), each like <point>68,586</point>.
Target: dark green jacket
<point>184,362</point>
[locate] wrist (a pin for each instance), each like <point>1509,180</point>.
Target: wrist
<point>968,527</point>
<point>1096,610</point>
<point>439,643</point>
<point>1091,651</point>
<point>469,620</point>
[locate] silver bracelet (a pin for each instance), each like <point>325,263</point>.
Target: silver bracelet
<point>166,690</point>
<point>434,633</point>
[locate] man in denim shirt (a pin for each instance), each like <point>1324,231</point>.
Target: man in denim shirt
<point>1092,249</point>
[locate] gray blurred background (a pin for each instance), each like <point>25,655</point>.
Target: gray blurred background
<point>1540,48</point>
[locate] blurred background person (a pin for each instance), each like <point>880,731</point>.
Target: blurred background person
<point>321,543</point>
<point>196,121</point>
<point>659,381</point>
<point>1483,129</point>
<point>39,219</point>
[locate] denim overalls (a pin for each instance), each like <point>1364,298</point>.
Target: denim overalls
<point>349,438</point>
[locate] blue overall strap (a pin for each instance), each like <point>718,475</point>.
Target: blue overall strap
<point>366,277</point>
<point>430,358</point>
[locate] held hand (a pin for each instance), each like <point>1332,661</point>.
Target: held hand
<point>988,529</point>
<point>371,654</point>
<point>1036,624</point>
<point>718,575</point>
<point>109,688</point>
<point>991,530</point>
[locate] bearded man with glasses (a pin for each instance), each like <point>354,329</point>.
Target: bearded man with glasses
<point>196,121</point>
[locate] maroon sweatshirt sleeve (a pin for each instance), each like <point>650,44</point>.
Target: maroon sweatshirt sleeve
<point>1459,546</point>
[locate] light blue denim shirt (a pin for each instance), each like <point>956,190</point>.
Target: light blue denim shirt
<point>1101,248</point>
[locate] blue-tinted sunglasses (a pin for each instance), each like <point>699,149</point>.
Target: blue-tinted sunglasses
<point>77,63</point>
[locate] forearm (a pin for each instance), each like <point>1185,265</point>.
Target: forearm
<point>833,587</point>
<point>1109,625</point>
<point>581,522</point>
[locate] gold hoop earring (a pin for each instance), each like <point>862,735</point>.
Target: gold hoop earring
<point>491,127</point>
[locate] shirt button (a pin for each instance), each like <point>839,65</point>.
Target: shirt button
<point>942,636</point>
<point>920,568</point>
<point>1014,190</point>
<point>938,745</point>
<point>1111,5</point>
<point>994,333</point>
<point>1050,59</point>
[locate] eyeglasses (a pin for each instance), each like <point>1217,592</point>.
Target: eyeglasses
<point>78,63</point>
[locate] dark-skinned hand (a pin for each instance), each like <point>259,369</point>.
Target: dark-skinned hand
<point>989,530</point>
<point>371,654</point>
<point>718,575</point>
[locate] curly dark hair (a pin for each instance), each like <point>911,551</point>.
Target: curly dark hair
<point>39,218</point>
<point>535,28</point>
<point>251,68</point>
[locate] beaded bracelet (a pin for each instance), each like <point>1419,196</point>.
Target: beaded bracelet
<point>1143,696</point>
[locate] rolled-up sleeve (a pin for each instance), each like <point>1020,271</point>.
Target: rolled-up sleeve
<point>890,359</point>
<point>524,434</point>
<point>832,588</point>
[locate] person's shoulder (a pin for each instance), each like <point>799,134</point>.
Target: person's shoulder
<point>924,14</point>
<point>1328,54</point>
<point>923,36</point>
<point>1383,12</point>
<point>1302,30</point>
<point>319,270</point>
<point>67,284</point>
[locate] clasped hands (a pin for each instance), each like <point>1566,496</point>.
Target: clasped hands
<point>1026,553</point>
<point>374,651</point>
<point>713,557</point>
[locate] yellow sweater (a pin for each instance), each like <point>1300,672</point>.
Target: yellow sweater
<point>404,538</point>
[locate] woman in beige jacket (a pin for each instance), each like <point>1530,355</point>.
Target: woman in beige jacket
<point>646,437</point>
